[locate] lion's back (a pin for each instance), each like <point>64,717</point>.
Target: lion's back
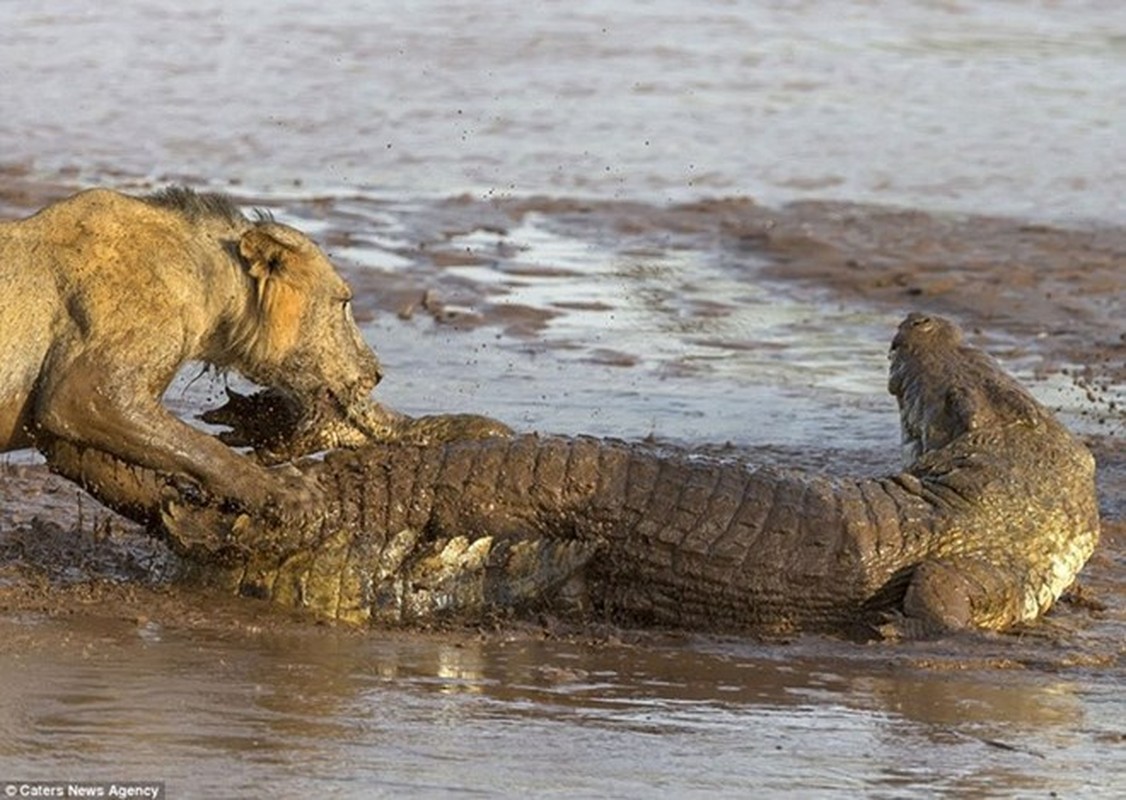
<point>30,304</point>
<point>86,268</point>
<point>99,259</point>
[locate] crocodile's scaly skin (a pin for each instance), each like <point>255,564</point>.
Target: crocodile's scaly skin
<point>985,528</point>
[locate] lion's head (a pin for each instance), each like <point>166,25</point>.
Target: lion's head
<point>298,333</point>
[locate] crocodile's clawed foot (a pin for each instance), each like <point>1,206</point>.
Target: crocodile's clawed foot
<point>262,420</point>
<point>895,626</point>
<point>277,427</point>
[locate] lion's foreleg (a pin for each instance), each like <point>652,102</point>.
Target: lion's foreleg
<point>90,411</point>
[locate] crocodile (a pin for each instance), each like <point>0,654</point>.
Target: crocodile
<point>279,428</point>
<point>985,527</point>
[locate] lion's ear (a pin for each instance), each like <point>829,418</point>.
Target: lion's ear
<point>264,252</point>
<point>274,261</point>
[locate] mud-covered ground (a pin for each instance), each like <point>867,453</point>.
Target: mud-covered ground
<point>1047,296</point>
<point>726,326</point>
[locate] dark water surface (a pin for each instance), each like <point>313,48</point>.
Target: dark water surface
<point>324,713</point>
<point>385,130</point>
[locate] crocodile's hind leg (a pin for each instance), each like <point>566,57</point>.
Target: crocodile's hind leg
<point>952,594</point>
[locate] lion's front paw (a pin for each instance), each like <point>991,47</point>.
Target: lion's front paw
<point>273,518</point>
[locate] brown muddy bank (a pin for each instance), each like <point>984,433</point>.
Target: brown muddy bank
<point>1051,295</point>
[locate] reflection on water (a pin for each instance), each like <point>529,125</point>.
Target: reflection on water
<point>672,309</point>
<point>341,713</point>
<point>650,334</point>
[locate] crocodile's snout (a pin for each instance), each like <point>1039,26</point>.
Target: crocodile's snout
<point>918,327</point>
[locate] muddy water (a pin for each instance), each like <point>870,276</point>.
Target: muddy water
<point>1012,107</point>
<point>547,321</point>
<point>316,713</point>
<point>518,201</point>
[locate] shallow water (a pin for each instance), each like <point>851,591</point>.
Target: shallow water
<point>678,343</point>
<point>358,122</point>
<point>333,714</point>
<point>296,711</point>
<point>1011,107</point>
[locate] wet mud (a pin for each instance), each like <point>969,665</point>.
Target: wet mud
<point>500,307</point>
<point>1041,294</point>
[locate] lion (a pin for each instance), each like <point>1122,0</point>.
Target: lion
<point>107,296</point>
